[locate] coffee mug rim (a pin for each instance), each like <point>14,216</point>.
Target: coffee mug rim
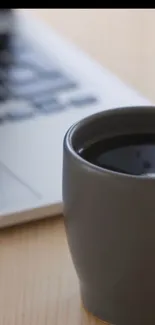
<point>67,143</point>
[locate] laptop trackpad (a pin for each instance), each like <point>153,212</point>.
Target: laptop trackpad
<point>15,194</point>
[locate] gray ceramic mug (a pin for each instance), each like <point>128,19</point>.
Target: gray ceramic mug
<point>110,222</point>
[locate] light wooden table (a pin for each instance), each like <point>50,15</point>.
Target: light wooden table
<point>38,284</point>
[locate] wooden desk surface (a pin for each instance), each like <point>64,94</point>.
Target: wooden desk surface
<point>38,284</point>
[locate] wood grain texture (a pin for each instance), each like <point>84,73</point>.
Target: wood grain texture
<point>38,284</point>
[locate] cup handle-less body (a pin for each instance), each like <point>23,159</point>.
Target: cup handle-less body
<point>110,226</point>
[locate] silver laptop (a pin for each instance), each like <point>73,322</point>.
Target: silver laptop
<point>52,85</point>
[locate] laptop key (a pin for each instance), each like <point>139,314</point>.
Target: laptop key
<point>18,110</point>
<point>19,74</point>
<point>24,65</point>
<point>65,87</point>
<point>83,101</point>
<point>30,89</point>
<point>44,100</point>
<point>50,107</point>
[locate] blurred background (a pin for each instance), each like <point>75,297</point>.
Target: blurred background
<point>122,40</point>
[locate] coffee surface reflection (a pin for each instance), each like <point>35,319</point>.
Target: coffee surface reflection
<point>130,154</point>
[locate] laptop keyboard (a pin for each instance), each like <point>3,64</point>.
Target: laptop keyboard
<point>35,88</point>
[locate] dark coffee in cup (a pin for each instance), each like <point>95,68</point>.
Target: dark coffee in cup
<point>130,154</point>
<point>109,212</point>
